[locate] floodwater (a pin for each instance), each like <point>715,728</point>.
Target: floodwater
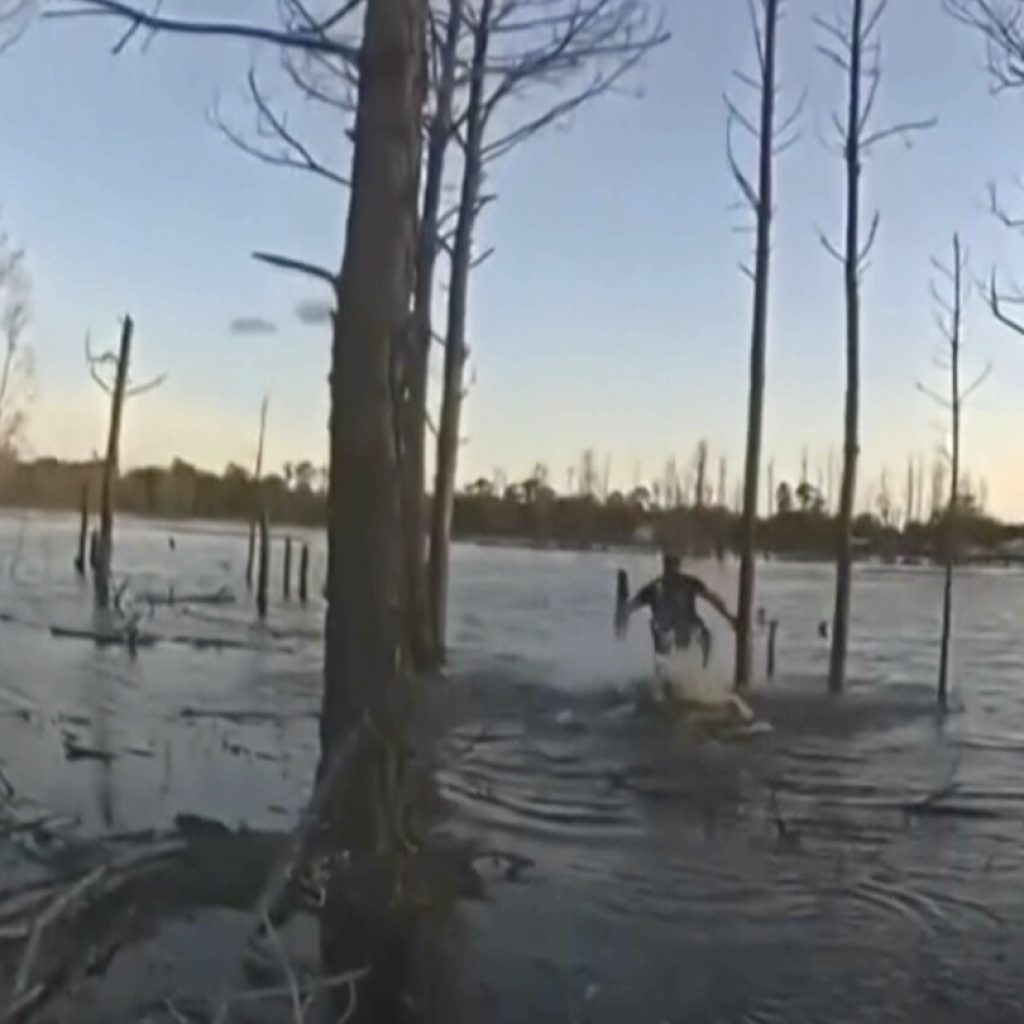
<point>864,862</point>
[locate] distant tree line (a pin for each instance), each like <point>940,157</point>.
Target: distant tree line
<point>178,491</point>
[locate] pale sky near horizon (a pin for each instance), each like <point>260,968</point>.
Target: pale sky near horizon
<point>612,314</point>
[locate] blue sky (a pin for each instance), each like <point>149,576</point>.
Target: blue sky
<point>612,314</point>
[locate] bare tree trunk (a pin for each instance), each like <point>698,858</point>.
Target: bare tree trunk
<point>286,583</point>
<point>105,545</point>
<point>455,341</point>
<point>83,531</point>
<point>364,664</point>
<point>954,485</point>
<point>702,467</point>
<point>758,346</point>
<point>263,574</point>
<point>417,361</point>
<point>851,438</point>
<point>304,574</point>
<point>256,494</point>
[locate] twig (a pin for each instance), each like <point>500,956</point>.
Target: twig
<point>293,984</point>
<point>296,40</point>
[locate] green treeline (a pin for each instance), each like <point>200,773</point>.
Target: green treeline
<point>530,512</point>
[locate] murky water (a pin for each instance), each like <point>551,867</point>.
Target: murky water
<point>673,877</point>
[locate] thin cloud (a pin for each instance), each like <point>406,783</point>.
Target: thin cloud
<point>252,325</point>
<point>314,311</point>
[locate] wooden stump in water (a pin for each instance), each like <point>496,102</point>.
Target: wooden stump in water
<point>94,553</point>
<point>264,567</point>
<point>286,584</point>
<point>304,574</point>
<point>250,560</point>
<point>83,531</point>
<point>773,627</point>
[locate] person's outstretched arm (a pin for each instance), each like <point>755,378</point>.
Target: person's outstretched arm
<point>717,603</point>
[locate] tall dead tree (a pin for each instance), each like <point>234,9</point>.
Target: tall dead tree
<point>119,389</point>
<point>950,311</point>
<point>852,44</point>
<point>771,138</point>
<point>257,477</point>
<point>455,339</point>
<point>514,48</point>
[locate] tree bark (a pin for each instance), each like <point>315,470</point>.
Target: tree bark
<point>364,660</point>
<point>758,346</point>
<point>455,339</point>
<point>851,440</point>
<point>417,361</point>
<point>286,582</point>
<point>105,544</point>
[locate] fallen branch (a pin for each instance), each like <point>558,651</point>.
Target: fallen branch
<point>105,639</point>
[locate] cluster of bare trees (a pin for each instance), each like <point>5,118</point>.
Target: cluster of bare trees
<point>851,42</point>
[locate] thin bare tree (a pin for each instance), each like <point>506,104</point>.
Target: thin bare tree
<point>949,315</point>
<point>772,136</point>
<point>852,43</point>
<point>119,388</point>
<point>16,372</point>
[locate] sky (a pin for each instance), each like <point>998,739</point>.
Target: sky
<point>612,315</point>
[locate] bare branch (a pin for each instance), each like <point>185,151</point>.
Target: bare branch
<point>995,208</point>
<point>906,130</point>
<point>735,114</point>
<point>101,383</point>
<point>141,389</point>
<point>869,244</point>
<point>298,40</point>
<point>270,125</point>
<point>301,266</point>
<point>829,247</point>
<point>994,301</point>
<point>758,34</point>
<point>976,383</point>
<point>741,179</point>
<point>945,403</point>
<point>478,261</point>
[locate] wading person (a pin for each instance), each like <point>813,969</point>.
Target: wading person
<point>672,600</point>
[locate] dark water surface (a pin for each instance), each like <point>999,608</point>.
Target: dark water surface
<point>673,877</point>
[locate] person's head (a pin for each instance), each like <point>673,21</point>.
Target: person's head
<point>669,562</point>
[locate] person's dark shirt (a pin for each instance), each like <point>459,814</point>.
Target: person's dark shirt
<point>672,599</point>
